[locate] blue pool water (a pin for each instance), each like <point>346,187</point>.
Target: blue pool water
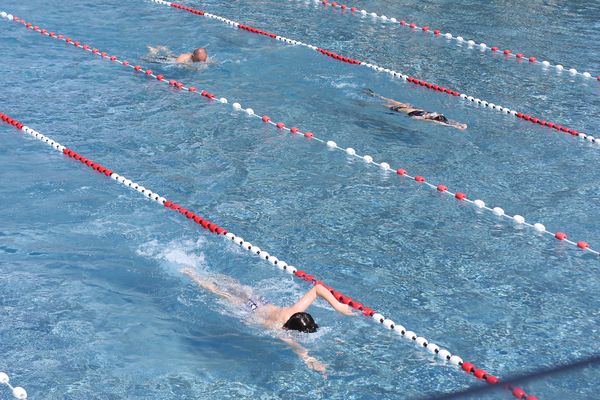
<point>91,304</point>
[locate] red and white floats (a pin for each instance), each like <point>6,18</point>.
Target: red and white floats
<point>560,128</point>
<point>517,219</point>
<point>212,227</point>
<point>426,29</point>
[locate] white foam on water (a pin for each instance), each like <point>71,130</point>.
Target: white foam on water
<point>176,254</point>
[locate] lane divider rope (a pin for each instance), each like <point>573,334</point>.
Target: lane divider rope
<point>492,50</point>
<point>407,78</point>
<point>212,227</point>
<point>17,391</point>
<point>281,126</point>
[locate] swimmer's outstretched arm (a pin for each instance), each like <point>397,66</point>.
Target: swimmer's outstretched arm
<point>389,102</point>
<point>448,122</point>
<point>319,291</point>
<point>310,361</point>
<point>211,286</point>
<point>454,124</point>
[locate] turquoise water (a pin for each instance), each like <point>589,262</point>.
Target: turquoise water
<point>91,303</point>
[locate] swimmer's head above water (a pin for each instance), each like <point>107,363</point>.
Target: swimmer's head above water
<point>301,321</point>
<point>199,55</point>
<point>270,316</point>
<point>165,54</point>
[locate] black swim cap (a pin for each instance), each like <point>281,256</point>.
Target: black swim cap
<point>302,322</point>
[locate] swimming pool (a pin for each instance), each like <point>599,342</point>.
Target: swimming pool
<point>91,304</point>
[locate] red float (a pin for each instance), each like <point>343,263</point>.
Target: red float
<point>560,235</point>
<point>468,367</point>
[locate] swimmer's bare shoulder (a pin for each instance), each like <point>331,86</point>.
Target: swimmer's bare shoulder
<point>270,316</point>
<point>183,58</point>
<point>198,55</point>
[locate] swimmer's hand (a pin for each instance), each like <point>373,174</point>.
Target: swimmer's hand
<point>337,306</point>
<point>450,123</point>
<point>315,365</point>
<point>347,310</point>
<point>310,361</point>
<point>457,125</point>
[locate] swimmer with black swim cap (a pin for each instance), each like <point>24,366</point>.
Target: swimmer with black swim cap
<point>302,322</point>
<point>294,317</point>
<point>417,113</point>
<point>198,55</point>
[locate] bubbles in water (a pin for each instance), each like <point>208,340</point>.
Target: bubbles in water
<point>344,84</point>
<point>176,254</point>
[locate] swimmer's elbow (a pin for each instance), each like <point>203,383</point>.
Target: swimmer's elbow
<point>320,290</point>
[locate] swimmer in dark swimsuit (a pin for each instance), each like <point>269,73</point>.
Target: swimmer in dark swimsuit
<point>198,55</point>
<point>417,113</point>
<point>270,316</point>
